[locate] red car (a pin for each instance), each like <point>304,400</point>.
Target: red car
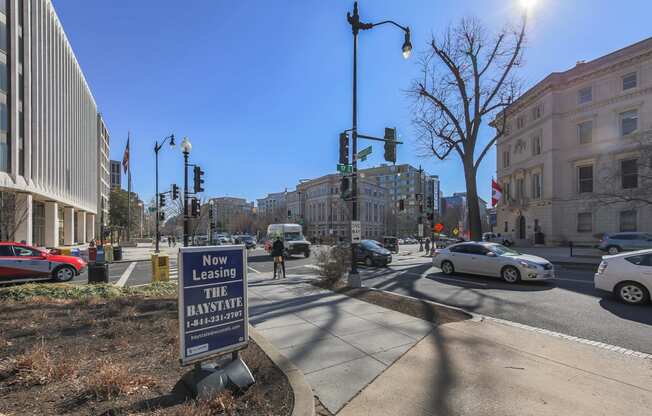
<point>19,262</point>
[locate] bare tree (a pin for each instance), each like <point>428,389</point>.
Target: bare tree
<point>13,213</point>
<point>467,78</point>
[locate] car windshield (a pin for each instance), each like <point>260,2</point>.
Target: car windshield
<point>504,251</point>
<point>293,236</point>
<point>370,245</point>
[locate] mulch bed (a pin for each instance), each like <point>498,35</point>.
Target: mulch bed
<point>421,309</point>
<point>113,357</point>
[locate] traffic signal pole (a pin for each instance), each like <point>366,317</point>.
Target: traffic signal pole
<point>186,219</point>
<point>355,22</point>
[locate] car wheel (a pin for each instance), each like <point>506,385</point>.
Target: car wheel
<point>632,293</point>
<point>368,261</point>
<point>613,250</point>
<point>64,274</point>
<point>510,274</point>
<point>447,267</point>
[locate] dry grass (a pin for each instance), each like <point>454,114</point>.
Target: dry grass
<point>114,379</point>
<point>39,367</point>
<point>224,404</point>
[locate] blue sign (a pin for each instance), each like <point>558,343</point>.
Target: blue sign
<point>213,313</point>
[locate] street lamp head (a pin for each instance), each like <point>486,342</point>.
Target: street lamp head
<point>407,45</point>
<point>186,147</point>
<point>172,140</point>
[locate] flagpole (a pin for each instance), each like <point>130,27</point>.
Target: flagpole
<point>128,191</point>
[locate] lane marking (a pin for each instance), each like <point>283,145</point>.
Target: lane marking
<point>123,279</point>
<point>253,270</point>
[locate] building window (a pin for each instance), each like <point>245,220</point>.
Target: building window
<point>585,132</point>
<point>520,122</point>
<point>628,220</point>
<point>536,145</point>
<point>628,122</point>
<point>506,191</point>
<point>3,77</point>
<point>520,188</point>
<point>585,175</point>
<point>506,229</point>
<point>629,173</point>
<point>505,158</point>
<point>584,222</point>
<point>536,185</point>
<point>536,111</point>
<point>584,95</point>
<point>629,81</point>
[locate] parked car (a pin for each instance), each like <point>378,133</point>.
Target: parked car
<point>497,238</point>
<point>248,241</point>
<point>372,254</point>
<point>20,262</point>
<point>391,243</point>
<point>617,242</point>
<point>491,259</point>
<point>626,275</point>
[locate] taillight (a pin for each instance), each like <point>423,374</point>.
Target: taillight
<point>602,267</point>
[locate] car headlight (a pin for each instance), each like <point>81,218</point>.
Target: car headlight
<point>528,265</point>
<point>376,254</point>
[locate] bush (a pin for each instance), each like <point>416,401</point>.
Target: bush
<point>334,263</point>
<point>68,291</point>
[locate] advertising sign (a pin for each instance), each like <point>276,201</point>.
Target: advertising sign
<point>438,227</point>
<point>356,231</point>
<point>213,314</point>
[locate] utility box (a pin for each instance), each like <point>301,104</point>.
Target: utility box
<point>160,268</point>
<point>117,253</point>
<point>98,273</point>
<point>108,253</point>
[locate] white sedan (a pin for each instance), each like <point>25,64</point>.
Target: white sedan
<point>491,259</point>
<point>627,275</point>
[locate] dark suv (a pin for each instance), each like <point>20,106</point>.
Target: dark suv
<point>372,254</point>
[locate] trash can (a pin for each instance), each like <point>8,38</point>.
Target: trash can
<point>98,273</point>
<point>117,253</point>
<point>160,268</point>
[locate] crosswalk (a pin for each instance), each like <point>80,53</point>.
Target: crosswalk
<point>174,271</point>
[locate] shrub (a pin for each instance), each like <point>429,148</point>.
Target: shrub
<point>334,263</point>
<point>38,367</point>
<point>115,379</point>
<point>86,293</point>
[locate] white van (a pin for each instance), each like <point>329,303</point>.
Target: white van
<point>292,236</point>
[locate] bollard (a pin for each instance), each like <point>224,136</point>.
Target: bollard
<point>154,260</point>
<point>570,245</point>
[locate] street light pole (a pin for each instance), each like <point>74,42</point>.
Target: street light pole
<point>157,148</point>
<point>356,26</point>
<point>185,149</point>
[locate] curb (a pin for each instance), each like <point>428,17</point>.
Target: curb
<point>304,401</point>
<point>479,318</point>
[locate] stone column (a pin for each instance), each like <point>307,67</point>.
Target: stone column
<point>81,227</point>
<point>68,226</point>
<point>90,227</point>
<point>51,224</point>
<point>23,218</point>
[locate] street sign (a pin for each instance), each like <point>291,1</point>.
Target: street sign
<point>420,230</point>
<point>438,227</point>
<point>344,168</point>
<point>151,209</point>
<point>456,231</point>
<point>362,154</point>
<point>213,314</point>
<point>356,231</point>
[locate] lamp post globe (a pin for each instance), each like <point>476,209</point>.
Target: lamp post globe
<point>407,45</point>
<point>186,146</point>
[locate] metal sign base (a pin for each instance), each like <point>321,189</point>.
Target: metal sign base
<point>207,379</point>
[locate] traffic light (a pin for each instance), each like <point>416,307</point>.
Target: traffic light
<point>198,179</point>
<point>401,205</point>
<point>390,145</point>
<point>175,192</point>
<point>210,213</point>
<point>344,185</point>
<point>344,149</point>
<point>429,202</point>
<point>161,216</point>
<point>194,207</point>
<point>161,202</point>
<point>431,217</point>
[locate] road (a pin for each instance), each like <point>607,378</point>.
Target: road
<point>569,304</point>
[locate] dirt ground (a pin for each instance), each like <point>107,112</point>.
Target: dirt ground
<point>113,357</point>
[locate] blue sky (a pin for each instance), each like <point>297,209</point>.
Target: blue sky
<point>262,87</point>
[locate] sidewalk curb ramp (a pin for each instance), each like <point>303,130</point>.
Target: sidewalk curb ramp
<point>304,401</point>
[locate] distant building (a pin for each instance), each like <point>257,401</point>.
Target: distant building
<point>103,175</point>
<point>273,205</point>
<point>231,214</point>
<point>116,174</point>
<point>458,202</point>
<point>574,143</point>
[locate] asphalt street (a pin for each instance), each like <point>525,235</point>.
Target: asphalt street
<point>569,304</point>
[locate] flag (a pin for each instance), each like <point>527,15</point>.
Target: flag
<point>496,192</point>
<point>125,158</point>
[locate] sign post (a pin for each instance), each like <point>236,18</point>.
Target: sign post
<point>213,315</point>
<point>356,232</point>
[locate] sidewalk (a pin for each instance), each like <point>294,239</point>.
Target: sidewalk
<point>341,344</point>
<point>487,368</point>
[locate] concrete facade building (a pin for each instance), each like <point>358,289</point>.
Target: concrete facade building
<point>273,205</point>
<point>116,174</point>
<point>573,143</point>
<point>103,175</point>
<point>228,211</point>
<point>50,154</point>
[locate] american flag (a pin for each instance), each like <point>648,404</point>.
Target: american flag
<point>125,158</point>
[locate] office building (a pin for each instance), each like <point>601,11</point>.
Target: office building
<point>231,214</point>
<point>49,145</point>
<point>116,174</point>
<point>577,150</point>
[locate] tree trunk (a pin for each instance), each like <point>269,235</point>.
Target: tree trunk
<point>474,220</point>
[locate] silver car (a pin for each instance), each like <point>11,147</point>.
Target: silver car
<point>617,242</point>
<point>491,259</point>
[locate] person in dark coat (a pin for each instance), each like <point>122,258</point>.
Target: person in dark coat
<point>277,254</point>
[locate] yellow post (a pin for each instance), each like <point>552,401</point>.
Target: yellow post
<point>154,258</point>
<point>163,268</point>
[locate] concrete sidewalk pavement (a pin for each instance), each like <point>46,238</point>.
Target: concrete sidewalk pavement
<point>340,343</point>
<point>487,368</point>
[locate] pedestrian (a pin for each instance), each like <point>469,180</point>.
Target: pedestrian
<point>428,245</point>
<point>277,254</point>
<point>174,241</point>
<point>169,241</point>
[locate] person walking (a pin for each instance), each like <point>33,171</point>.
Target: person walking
<point>277,254</point>
<point>428,246</point>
